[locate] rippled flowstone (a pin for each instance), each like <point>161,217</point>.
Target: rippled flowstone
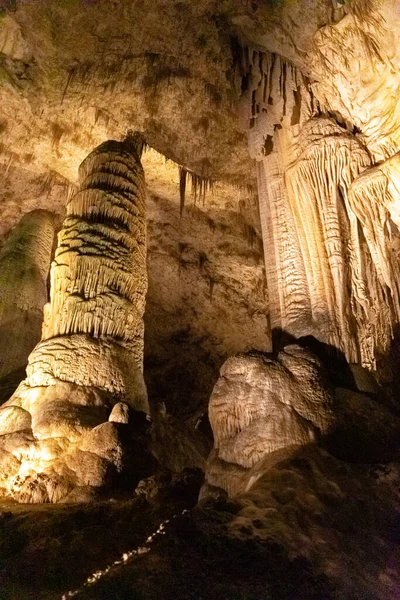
<point>260,405</point>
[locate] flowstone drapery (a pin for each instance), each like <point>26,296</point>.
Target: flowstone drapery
<point>328,226</point>
<point>260,405</point>
<point>317,184</point>
<point>53,434</point>
<point>328,217</point>
<point>312,233</point>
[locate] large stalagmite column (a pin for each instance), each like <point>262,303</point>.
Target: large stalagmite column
<point>93,326</point>
<point>91,353</point>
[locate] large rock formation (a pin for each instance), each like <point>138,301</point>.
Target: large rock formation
<point>53,431</point>
<point>260,405</point>
<point>24,269</point>
<point>93,326</point>
<point>301,100</point>
<point>323,279</point>
<point>330,246</point>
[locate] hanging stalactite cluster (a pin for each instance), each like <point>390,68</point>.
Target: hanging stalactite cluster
<point>272,92</point>
<point>200,185</point>
<point>328,256</point>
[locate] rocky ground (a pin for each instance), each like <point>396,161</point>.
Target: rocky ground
<point>314,527</point>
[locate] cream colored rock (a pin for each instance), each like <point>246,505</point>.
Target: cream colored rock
<point>91,353</point>
<point>89,468</point>
<point>331,252</point>
<point>260,405</point>
<point>355,64</point>
<point>9,467</point>
<point>14,418</point>
<point>12,42</point>
<point>319,192</point>
<point>312,248</point>
<point>119,413</point>
<point>104,441</point>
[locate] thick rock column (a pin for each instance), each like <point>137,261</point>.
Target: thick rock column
<point>93,326</point>
<point>91,353</point>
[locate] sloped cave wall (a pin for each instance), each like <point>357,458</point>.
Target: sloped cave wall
<point>206,298</point>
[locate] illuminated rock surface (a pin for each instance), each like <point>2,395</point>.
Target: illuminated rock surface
<point>91,352</point>
<point>282,120</point>
<point>260,405</point>
<point>24,269</point>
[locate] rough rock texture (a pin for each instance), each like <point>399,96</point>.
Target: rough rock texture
<point>312,88</point>
<point>91,351</point>
<point>323,279</point>
<point>260,405</point>
<point>206,298</point>
<point>45,549</point>
<point>363,47</point>
<point>317,252</point>
<point>330,246</point>
<point>191,86</point>
<point>24,269</point>
<point>312,527</point>
<point>79,73</point>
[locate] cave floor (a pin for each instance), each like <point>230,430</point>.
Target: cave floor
<point>46,550</point>
<point>313,527</point>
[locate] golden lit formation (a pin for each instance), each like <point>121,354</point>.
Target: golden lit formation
<point>91,352</point>
<point>223,361</point>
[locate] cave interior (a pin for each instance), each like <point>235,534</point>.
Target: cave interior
<point>199,299</point>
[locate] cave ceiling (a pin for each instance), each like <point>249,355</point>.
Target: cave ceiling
<point>78,72</point>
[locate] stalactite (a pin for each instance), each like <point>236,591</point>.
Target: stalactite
<point>330,268</point>
<point>200,185</point>
<point>182,187</point>
<point>289,300</point>
<point>272,92</point>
